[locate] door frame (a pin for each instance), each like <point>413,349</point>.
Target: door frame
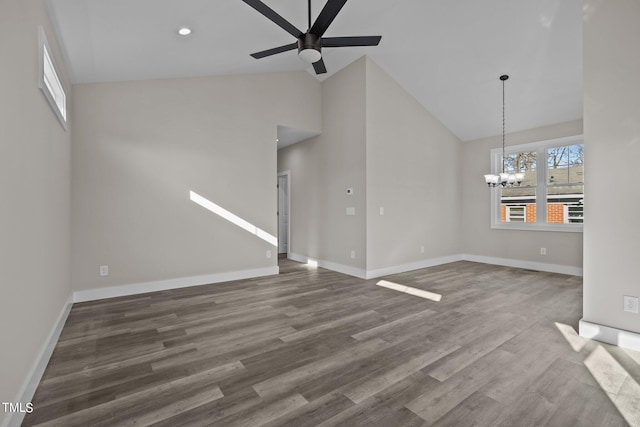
<point>286,173</point>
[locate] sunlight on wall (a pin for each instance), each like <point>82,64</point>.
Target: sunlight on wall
<point>409,290</point>
<point>621,388</point>
<point>232,218</point>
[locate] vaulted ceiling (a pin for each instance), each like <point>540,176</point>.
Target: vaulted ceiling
<point>448,54</point>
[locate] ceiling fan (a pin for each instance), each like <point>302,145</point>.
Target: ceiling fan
<point>310,43</point>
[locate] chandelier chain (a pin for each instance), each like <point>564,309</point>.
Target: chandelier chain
<point>515,177</point>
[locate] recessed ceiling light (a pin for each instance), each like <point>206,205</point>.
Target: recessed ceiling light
<point>184,31</point>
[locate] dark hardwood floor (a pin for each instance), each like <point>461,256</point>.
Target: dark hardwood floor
<point>314,347</point>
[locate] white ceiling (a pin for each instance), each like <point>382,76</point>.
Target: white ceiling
<point>448,54</point>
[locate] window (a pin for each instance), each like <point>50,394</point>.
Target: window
<point>551,195</point>
<point>50,82</point>
<point>516,213</point>
<point>574,214</point>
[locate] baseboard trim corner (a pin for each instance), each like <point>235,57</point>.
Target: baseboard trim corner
<point>530,265</point>
<point>609,335</point>
<point>431,262</point>
<point>163,285</point>
<point>379,272</point>
<point>426,263</point>
<point>329,265</point>
<point>26,393</point>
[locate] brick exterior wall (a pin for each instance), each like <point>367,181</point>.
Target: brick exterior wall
<point>531,213</point>
<point>555,213</point>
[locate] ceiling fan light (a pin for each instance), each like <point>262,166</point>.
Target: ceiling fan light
<point>310,55</point>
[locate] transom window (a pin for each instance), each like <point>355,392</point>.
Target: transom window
<point>50,82</point>
<point>551,195</point>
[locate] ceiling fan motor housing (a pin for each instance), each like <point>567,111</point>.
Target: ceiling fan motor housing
<point>307,44</point>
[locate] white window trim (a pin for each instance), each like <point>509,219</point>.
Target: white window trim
<point>44,47</point>
<point>541,224</point>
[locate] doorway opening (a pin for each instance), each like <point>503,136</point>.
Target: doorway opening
<point>284,205</point>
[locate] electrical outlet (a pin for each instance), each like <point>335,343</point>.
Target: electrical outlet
<point>104,270</point>
<point>630,304</point>
<point>353,254</point>
<point>543,251</point>
<point>381,211</point>
<point>422,249</point>
<point>268,254</point>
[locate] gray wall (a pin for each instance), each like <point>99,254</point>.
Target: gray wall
<point>612,150</point>
<point>478,238</point>
<point>139,148</point>
<point>35,190</point>
<point>413,173</point>
<point>323,167</point>
<point>380,141</point>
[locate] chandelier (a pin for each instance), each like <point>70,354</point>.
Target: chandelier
<point>504,179</point>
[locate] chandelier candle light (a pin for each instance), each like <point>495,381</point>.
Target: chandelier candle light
<point>504,179</point>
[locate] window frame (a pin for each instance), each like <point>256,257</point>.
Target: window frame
<point>540,147</point>
<point>45,49</point>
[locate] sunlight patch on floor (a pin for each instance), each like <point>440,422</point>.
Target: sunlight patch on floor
<point>576,342</point>
<point>409,290</point>
<point>621,388</point>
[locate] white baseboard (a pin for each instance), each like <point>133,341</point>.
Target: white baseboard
<point>379,272</point>
<point>163,285</point>
<point>615,336</point>
<point>386,271</point>
<point>530,265</point>
<point>329,265</point>
<point>35,375</point>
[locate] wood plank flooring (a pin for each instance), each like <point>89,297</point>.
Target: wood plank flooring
<point>315,347</point>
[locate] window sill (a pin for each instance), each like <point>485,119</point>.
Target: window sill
<point>565,228</point>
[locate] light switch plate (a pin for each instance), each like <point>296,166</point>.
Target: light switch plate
<point>351,211</point>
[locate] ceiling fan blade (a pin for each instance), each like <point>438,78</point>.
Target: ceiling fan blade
<point>351,41</point>
<point>326,17</point>
<point>275,50</point>
<point>319,67</point>
<point>273,16</point>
